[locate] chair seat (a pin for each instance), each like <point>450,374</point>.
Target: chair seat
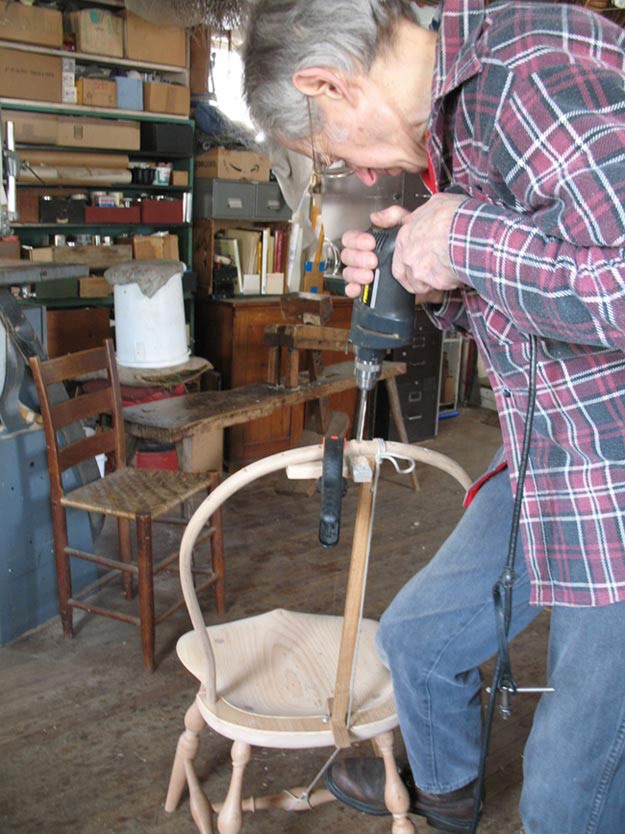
<point>275,673</point>
<point>128,491</point>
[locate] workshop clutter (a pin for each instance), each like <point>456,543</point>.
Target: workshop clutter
<point>98,32</point>
<point>39,205</point>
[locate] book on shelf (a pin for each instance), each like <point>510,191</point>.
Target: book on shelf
<point>278,250</point>
<point>248,240</point>
<point>264,258</point>
<point>261,256</point>
<point>229,247</point>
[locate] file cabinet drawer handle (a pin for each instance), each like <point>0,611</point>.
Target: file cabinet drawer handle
<point>235,203</point>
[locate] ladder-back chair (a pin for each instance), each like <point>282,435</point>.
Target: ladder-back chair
<point>291,680</point>
<point>126,493</point>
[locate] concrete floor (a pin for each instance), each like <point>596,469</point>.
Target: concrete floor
<point>87,738</point>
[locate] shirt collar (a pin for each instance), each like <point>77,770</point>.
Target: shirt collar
<point>457,57</point>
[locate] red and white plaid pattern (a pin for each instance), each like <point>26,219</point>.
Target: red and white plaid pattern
<point>528,119</point>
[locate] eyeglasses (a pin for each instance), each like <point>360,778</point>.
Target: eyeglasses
<point>324,167</point>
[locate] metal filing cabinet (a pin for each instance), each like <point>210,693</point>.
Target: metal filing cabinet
<point>243,200</point>
<point>418,388</point>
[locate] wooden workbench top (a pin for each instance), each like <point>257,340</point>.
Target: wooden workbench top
<point>171,420</point>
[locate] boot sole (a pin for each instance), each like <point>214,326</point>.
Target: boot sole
<point>440,824</point>
<point>356,804</point>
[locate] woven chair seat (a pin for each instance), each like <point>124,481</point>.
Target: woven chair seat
<point>128,491</point>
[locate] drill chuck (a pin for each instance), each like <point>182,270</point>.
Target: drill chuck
<point>367,372</point>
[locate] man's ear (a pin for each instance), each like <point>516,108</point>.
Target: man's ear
<point>316,81</point>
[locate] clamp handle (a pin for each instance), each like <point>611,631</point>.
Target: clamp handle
<point>332,487</point>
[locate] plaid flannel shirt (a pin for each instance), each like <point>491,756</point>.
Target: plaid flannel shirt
<point>528,120</point>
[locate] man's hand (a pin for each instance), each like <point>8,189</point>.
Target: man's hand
<point>421,261</point>
<point>421,258</point>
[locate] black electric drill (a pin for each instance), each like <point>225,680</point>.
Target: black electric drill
<point>382,319</point>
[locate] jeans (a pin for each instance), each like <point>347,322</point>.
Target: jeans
<point>441,627</point>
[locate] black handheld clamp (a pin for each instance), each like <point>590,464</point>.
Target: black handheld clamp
<point>332,486</point>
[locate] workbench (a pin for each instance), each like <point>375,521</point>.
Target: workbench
<point>180,420</point>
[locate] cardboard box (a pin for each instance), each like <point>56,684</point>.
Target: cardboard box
<point>97,31</point>
<point>129,93</point>
<point>70,94</point>
<point>180,178</point>
<point>33,128</point>
<point>152,247</point>
<point>27,24</point>
<point>39,254</point>
<point>28,205</point>
<point>166,98</point>
<point>167,137</point>
<point>153,43</point>
<point>112,134</point>
<point>97,92</point>
<point>232,165</point>
<point>10,248</point>
<point>28,75</point>
<point>94,287</point>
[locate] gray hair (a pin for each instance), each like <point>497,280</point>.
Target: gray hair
<point>284,36</point>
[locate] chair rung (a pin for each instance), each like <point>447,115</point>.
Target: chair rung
<point>172,609</point>
<point>105,612</point>
<point>164,564</point>
<point>97,584</point>
<point>114,564</point>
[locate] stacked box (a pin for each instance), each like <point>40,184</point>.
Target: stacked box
<point>70,93</point>
<point>97,31</point>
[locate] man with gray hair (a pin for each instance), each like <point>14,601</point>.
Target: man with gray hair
<point>514,113</point>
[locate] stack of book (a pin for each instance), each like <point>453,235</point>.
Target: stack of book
<point>259,257</point>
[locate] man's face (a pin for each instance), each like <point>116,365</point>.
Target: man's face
<point>367,137</point>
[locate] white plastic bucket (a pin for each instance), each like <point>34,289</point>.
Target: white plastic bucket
<point>150,332</point>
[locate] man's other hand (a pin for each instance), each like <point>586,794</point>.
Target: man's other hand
<point>360,260</point>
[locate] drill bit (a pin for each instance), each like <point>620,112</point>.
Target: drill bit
<point>362,413</point>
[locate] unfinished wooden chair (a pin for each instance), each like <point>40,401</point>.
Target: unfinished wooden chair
<point>291,680</point>
<point>126,493</point>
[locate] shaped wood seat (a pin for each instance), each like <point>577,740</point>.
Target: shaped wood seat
<point>274,674</point>
<point>291,680</point>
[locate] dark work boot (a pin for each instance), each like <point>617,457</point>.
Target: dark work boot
<point>359,783</point>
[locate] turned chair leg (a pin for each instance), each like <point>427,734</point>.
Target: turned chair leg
<point>396,796</point>
<point>146,588</point>
<point>186,751</point>
<point>230,817</point>
<point>63,574</point>
<point>125,551</point>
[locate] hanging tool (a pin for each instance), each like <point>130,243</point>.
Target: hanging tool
<point>382,319</point>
